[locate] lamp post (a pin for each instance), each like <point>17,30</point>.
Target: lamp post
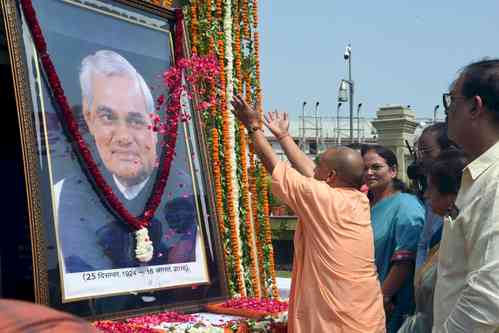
<point>435,113</point>
<point>317,125</point>
<point>358,121</point>
<point>347,84</point>
<point>348,56</point>
<point>303,124</point>
<point>338,123</point>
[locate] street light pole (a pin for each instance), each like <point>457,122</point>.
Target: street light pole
<point>317,125</point>
<point>303,125</point>
<point>435,113</point>
<point>358,122</point>
<point>338,123</point>
<point>348,56</point>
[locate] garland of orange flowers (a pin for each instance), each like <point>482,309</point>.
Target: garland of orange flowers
<point>194,27</point>
<point>255,14</point>
<point>208,13</point>
<point>266,220</point>
<point>244,173</point>
<point>217,28</point>
<point>254,197</point>
<point>246,28</point>
<point>246,25</point>
<point>219,9</point>
<point>215,154</point>
<point>234,237</point>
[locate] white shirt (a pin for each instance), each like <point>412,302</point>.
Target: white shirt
<point>467,289</point>
<point>130,192</point>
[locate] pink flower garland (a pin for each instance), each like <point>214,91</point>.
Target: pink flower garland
<point>169,129</point>
<point>267,305</point>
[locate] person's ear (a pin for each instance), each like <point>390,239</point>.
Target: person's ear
<point>331,176</point>
<point>393,171</point>
<point>478,107</point>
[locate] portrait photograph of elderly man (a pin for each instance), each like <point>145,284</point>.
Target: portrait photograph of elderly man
<point>117,105</point>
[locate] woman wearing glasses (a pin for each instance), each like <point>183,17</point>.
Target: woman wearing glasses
<point>397,219</point>
<point>432,141</point>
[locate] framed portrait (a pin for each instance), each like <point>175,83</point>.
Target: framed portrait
<point>110,57</point>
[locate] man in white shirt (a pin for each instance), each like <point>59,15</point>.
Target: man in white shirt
<point>467,289</point>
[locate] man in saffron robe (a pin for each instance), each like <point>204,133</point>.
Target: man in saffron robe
<point>334,281</point>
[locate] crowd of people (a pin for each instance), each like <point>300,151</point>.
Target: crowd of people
<point>423,258</point>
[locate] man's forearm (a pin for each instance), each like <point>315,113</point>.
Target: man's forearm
<point>264,151</point>
<point>298,158</point>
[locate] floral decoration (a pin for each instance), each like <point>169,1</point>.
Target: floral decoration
<point>83,151</point>
<point>228,28</point>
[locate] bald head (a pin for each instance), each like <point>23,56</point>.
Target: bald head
<point>347,163</point>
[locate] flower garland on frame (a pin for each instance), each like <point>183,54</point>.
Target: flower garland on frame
<point>138,224</point>
<point>144,249</point>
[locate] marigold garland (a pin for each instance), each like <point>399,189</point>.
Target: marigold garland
<point>255,14</point>
<point>254,199</point>
<point>255,283</point>
<point>194,27</point>
<point>246,25</point>
<point>234,186</point>
<point>266,220</point>
<point>219,9</point>
<point>208,14</point>
<point>234,237</point>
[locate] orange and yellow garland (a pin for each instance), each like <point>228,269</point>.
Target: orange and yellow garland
<point>253,196</point>
<point>268,231</point>
<point>243,158</point>
<point>194,27</point>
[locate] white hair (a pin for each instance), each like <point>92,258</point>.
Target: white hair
<point>110,63</point>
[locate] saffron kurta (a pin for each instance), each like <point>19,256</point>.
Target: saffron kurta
<point>334,281</point>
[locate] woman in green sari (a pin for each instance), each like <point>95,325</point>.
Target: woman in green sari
<point>444,179</point>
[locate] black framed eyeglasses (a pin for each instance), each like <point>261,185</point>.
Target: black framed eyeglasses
<point>448,99</point>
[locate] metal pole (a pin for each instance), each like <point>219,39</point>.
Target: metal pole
<point>435,113</point>
<point>358,122</point>
<point>317,125</point>
<point>338,123</point>
<point>351,92</point>
<point>303,125</point>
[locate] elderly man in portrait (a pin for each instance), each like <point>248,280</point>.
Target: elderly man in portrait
<point>117,105</point>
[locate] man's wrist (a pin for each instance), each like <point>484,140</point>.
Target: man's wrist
<point>282,136</point>
<point>252,128</point>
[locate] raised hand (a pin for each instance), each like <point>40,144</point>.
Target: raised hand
<point>247,115</point>
<point>277,123</point>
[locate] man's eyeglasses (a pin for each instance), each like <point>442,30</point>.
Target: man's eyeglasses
<point>448,99</point>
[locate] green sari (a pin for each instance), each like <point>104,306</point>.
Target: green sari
<point>424,288</point>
